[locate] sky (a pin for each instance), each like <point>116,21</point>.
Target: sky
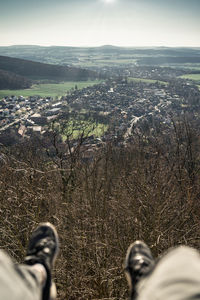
<point>136,23</point>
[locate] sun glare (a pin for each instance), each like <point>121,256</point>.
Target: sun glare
<point>109,1</point>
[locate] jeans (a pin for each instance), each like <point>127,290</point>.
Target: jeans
<point>20,282</point>
<point>175,277</point>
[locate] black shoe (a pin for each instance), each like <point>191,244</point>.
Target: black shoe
<point>139,262</point>
<point>43,249</point>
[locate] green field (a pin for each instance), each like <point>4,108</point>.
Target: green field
<point>188,66</point>
<point>74,128</point>
<point>145,80</point>
<point>51,90</point>
<point>195,77</point>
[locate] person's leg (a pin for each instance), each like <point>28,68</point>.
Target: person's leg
<point>19,282</point>
<point>175,276</point>
<point>31,280</point>
<point>43,249</point>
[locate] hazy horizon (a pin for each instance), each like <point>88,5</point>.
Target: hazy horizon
<point>94,23</point>
<point>98,46</point>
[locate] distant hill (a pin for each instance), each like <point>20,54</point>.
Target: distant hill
<point>12,81</point>
<point>36,53</point>
<point>169,60</point>
<point>90,56</point>
<point>39,70</point>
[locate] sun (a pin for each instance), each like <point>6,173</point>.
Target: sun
<point>109,1</point>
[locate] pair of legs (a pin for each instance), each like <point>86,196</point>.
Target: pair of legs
<point>175,276</point>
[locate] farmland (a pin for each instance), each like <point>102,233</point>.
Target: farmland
<point>74,128</point>
<point>146,80</point>
<point>195,77</point>
<point>49,90</point>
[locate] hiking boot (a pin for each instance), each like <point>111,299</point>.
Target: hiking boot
<point>43,249</point>
<point>139,262</point>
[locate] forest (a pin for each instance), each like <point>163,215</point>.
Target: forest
<point>148,189</point>
<point>10,80</point>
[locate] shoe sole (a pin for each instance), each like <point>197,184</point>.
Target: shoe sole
<point>131,251</point>
<point>48,224</point>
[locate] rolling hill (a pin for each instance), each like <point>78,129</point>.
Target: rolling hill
<point>63,55</point>
<point>37,70</point>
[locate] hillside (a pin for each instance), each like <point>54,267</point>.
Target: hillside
<point>36,70</point>
<point>9,80</point>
